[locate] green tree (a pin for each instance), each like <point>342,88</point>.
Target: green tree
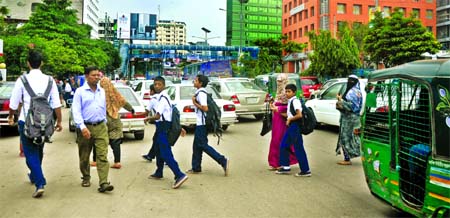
<point>333,57</point>
<point>398,39</point>
<point>66,45</point>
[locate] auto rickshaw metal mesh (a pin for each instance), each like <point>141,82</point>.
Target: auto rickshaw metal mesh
<point>401,119</point>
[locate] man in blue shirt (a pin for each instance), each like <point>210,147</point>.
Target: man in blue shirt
<point>89,114</point>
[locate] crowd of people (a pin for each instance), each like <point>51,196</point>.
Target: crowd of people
<point>95,109</point>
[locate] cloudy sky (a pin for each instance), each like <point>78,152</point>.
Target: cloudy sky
<point>195,13</point>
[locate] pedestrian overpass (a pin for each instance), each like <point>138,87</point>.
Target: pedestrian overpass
<point>129,52</point>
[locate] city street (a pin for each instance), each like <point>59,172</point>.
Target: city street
<point>251,190</point>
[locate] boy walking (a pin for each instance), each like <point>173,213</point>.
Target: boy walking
<point>163,116</point>
<point>293,136</point>
<point>201,135</point>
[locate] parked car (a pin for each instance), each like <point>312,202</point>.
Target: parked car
<point>5,94</point>
<point>132,123</point>
<point>248,98</point>
<point>309,85</point>
<point>324,105</point>
<point>325,85</point>
<point>143,90</point>
<point>181,96</point>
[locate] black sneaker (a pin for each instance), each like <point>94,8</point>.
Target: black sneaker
<point>105,187</point>
<point>39,192</point>
<point>153,176</point>
<point>303,174</point>
<point>282,171</point>
<point>146,157</point>
<point>179,181</point>
<point>191,171</point>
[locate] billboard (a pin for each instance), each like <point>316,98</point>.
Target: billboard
<point>143,26</point>
<point>123,26</point>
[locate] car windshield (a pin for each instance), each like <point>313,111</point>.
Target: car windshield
<point>129,96</point>
<point>308,82</point>
<point>188,91</point>
<point>241,86</point>
<point>6,90</point>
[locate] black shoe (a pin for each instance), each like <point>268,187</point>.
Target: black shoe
<point>282,171</point>
<point>302,174</point>
<point>191,171</point>
<point>105,187</point>
<point>153,176</point>
<point>146,157</point>
<point>39,192</point>
<point>179,181</point>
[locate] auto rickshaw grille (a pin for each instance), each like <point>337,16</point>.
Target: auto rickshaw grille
<point>414,140</point>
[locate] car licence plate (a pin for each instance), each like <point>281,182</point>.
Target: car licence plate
<point>252,100</point>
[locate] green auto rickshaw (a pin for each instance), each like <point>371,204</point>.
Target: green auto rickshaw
<point>405,137</point>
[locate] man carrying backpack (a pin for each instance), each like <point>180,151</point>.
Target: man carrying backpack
<point>201,133</point>
<point>34,147</point>
<point>163,118</point>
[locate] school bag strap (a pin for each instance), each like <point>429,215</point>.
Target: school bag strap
<point>30,91</point>
<point>162,96</point>
<point>203,113</point>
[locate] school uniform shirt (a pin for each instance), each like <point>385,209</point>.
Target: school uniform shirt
<point>163,107</point>
<point>88,106</point>
<point>202,100</point>
<point>297,106</point>
<point>153,102</point>
<point>35,78</point>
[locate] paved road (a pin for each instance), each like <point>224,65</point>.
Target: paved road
<point>250,190</point>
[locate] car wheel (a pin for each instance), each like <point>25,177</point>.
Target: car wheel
<point>139,135</point>
<point>225,127</point>
<point>259,116</point>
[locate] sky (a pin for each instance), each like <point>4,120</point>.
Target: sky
<point>195,13</point>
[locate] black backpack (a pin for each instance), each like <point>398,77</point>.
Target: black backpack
<point>39,120</point>
<point>175,128</point>
<point>308,121</point>
<point>212,117</point>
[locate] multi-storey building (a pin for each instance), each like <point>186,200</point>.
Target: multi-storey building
<point>169,32</point>
<point>106,29</point>
<point>251,20</point>
<point>302,16</point>
<point>443,23</point>
<point>88,11</point>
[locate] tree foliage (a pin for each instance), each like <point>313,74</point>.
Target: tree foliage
<point>397,39</point>
<point>333,57</point>
<point>65,44</point>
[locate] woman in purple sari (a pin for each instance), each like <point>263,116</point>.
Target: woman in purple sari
<point>279,110</point>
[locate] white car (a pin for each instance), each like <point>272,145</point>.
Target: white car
<point>132,123</point>
<point>181,96</point>
<point>324,104</point>
<point>143,90</point>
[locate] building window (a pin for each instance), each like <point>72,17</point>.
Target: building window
<point>306,29</point>
<point>357,9</point>
<point>430,28</point>
<point>295,34</point>
<point>416,13</point>
<point>285,9</point>
<point>295,18</point>
<point>290,21</point>
<point>312,27</point>
<point>429,14</point>
<point>300,18</point>
<point>403,10</point>
<point>290,35</point>
<point>290,5</point>
<point>295,3</point>
<point>341,8</point>
<point>300,32</point>
<point>285,22</point>
<point>306,14</point>
<point>312,12</point>
<point>386,11</point>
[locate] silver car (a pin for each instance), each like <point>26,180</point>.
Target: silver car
<point>248,98</point>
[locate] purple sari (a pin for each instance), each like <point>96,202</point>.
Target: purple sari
<point>278,129</point>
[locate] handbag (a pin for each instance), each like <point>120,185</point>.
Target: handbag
<point>266,121</point>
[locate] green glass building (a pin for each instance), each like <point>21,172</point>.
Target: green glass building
<point>251,20</point>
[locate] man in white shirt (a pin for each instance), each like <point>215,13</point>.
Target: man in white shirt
<point>163,118</point>
<point>34,153</point>
<point>201,133</point>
